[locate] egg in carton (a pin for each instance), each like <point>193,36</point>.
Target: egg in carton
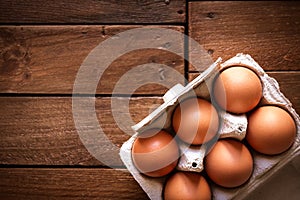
<point>231,126</point>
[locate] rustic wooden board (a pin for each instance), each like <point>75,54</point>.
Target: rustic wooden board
<point>269,32</point>
<point>41,131</point>
<point>63,183</point>
<point>89,11</point>
<point>289,83</point>
<point>46,59</point>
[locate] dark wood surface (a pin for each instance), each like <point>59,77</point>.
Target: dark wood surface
<point>62,183</point>
<point>42,47</point>
<point>46,59</point>
<point>90,12</point>
<point>268,31</point>
<point>41,130</point>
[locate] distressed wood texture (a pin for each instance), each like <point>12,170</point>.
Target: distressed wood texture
<point>46,59</point>
<point>41,131</point>
<point>268,31</point>
<point>289,83</point>
<point>43,152</point>
<point>89,11</point>
<point>62,183</point>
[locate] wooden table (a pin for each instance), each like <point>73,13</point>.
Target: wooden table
<point>42,45</point>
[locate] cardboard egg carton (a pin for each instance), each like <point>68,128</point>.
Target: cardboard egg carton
<point>233,126</point>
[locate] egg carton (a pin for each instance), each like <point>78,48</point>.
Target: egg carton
<point>232,126</point>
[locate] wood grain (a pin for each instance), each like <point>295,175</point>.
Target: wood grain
<point>268,31</point>
<point>289,83</point>
<point>62,183</point>
<point>42,46</point>
<point>41,131</point>
<point>89,11</point>
<point>46,59</point>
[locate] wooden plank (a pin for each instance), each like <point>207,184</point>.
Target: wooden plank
<point>46,59</point>
<point>41,131</point>
<point>63,183</point>
<point>268,31</point>
<point>289,83</point>
<point>79,11</point>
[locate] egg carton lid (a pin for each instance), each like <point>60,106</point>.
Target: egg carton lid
<point>264,166</point>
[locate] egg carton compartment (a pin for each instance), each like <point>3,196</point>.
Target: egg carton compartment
<point>231,126</point>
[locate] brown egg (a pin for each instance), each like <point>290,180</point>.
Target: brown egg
<point>237,89</point>
<point>195,121</point>
<point>229,163</point>
<point>271,130</point>
<point>187,185</point>
<point>155,153</point>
